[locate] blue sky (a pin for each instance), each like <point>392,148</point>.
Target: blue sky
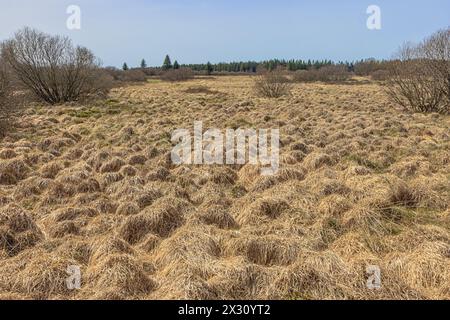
<point>195,31</point>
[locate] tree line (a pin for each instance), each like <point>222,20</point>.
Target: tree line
<point>255,66</point>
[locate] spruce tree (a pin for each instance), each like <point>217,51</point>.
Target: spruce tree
<point>176,65</point>
<point>167,63</point>
<point>143,64</point>
<point>125,66</point>
<point>209,68</point>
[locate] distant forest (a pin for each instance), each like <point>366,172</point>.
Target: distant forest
<point>253,66</point>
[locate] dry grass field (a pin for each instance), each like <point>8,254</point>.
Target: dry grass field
<point>361,183</point>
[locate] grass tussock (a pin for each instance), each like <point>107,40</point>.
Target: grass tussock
<point>359,184</point>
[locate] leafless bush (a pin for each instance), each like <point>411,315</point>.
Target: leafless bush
<point>152,72</point>
<point>104,82</point>
<point>5,93</point>
<point>380,75</point>
<point>332,73</point>
<point>51,67</point>
<point>173,75</point>
<point>305,76</point>
<point>420,77</point>
<point>4,86</point>
<point>132,75</point>
<point>273,84</point>
<point>436,50</point>
<point>367,67</point>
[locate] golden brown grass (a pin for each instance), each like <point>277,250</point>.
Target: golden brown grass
<point>361,183</point>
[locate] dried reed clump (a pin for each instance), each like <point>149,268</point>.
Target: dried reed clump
<point>316,160</point>
<point>150,243</point>
<point>12,171</point>
<point>75,249</point>
<point>110,245</point>
<point>147,197</point>
<point>265,209</point>
<point>121,273</point>
<point>263,183</point>
<point>237,279</point>
<point>425,269</point>
<point>161,219</point>
<point>137,159</point>
<point>18,231</point>
<point>159,174</point>
<point>193,248</point>
<point>113,165</point>
<point>287,174</point>
<point>223,176</point>
<point>63,229</point>
<point>128,171</point>
<point>334,205</point>
<point>110,178</point>
<point>219,217</point>
<point>316,275</point>
<point>189,286</point>
<point>30,187</point>
<point>266,251</point>
<point>7,154</point>
<point>361,217</point>
<point>50,170</point>
<point>89,185</point>
<point>127,209</point>
<point>44,277</point>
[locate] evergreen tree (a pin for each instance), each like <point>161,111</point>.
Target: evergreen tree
<point>125,66</point>
<point>167,63</point>
<point>176,65</point>
<point>143,64</point>
<point>209,68</point>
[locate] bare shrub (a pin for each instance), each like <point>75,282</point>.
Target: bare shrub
<point>367,67</point>
<point>380,75</point>
<point>4,86</point>
<point>420,77</point>
<point>436,49</point>
<point>174,75</point>
<point>152,72</point>
<point>273,84</point>
<point>332,73</point>
<point>51,67</point>
<point>5,94</point>
<point>305,76</point>
<point>132,75</point>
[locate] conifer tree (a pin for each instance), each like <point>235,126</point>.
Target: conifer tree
<point>143,64</point>
<point>176,65</point>
<point>125,66</point>
<point>167,63</point>
<point>209,68</point>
